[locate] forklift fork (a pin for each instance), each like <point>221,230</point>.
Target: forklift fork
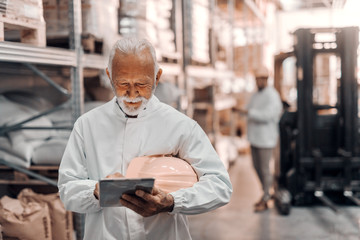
<point>318,177</point>
<point>348,193</point>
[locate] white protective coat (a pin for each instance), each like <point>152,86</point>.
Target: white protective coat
<point>104,141</point>
<point>264,111</point>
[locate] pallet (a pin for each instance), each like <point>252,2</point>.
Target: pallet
<point>12,177</point>
<point>89,42</point>
<point>13,181</point>
<point>31,31</point>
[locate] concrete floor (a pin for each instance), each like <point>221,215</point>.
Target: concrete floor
<point>237,221</point>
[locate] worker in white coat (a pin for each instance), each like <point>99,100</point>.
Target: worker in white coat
<point>263,116</point>
<point>135,123</point>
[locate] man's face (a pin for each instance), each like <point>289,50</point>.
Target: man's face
<point>261,82</point>
<point>133,80</point>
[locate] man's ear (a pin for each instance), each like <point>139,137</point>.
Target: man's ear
<point>158,75</point>
<point>107,73</point>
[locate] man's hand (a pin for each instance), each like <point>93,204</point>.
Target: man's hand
<point>240,110</point>
<point>114,175</point>
<point>147,204</point>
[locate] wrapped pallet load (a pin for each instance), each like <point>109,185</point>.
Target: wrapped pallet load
<point>24,9</point>
<point>97,19</point>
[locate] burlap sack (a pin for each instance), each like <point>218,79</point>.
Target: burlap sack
<point>61,220</point>
<point>25,221</point>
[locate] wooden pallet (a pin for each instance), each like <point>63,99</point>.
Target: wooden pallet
<point>31,31</point>
<point>13,177</point>
<point>89,42</point>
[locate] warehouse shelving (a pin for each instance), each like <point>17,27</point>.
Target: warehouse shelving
<point>204,74</point>
<point>73,58</point>
<point>182,70</point>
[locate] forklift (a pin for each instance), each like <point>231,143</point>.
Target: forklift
<point>319,155</point>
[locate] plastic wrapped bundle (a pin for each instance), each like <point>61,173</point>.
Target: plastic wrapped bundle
<point>23,9</point>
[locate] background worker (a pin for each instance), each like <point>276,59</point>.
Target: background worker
<point>263,115</point>
<point>133,124</point>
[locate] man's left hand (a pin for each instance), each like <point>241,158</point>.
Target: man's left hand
<point>240,110</point>
<point>147,204</point>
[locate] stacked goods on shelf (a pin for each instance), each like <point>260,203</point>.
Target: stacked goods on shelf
<point>31,221</point>
<point>197,28</point>
<point>24,16</point>
<point>160,13</point>
<point>23,147</point>
<point>61,220</point>
<point>132,20</point>
<point>26,147</point>
<point>56,14</point>
<point>96,18</point>
<point>35,216</point>
<point>150,19</point>
<point>203,108</point>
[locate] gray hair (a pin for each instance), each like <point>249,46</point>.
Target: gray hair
<point>132,45</point>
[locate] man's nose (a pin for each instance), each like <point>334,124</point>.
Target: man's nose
<point>133,92</point>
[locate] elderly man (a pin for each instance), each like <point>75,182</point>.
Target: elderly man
<point>133,124</point>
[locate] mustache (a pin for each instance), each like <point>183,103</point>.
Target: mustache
<point>131,100</point>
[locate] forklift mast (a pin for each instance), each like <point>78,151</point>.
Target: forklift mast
<point>327,133</point>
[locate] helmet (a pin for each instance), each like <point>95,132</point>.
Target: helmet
<point>261,71</point>
<point>170,173</point>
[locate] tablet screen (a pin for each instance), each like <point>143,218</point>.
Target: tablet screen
<point>111,190</point>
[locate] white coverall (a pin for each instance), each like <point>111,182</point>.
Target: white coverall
<point>264,110</point>
<point>104,141</point>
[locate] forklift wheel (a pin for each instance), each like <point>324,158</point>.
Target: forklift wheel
<point>284,209</point>
<point>283,201</point>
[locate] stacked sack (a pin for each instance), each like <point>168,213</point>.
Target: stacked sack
<point>35,216</point>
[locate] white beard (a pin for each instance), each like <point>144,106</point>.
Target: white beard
<point>132,111</point>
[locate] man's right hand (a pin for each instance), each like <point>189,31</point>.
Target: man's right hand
<point>148,204</point>
<point>114,175</point>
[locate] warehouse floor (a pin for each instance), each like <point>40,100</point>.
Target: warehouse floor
<point>237,221</point>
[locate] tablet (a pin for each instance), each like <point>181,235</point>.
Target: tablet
<point>111,190</point>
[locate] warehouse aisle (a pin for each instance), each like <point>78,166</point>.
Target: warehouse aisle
<point>237,221</point>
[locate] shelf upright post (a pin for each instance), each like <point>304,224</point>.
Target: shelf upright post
<point>246,51</point>
<point>230,58</point>
<point>186,52</point>
<point>230,48</point>
<point>77,71</point>
<point>77,84</point>
<point>179,48</point>
<point>213,59</point>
